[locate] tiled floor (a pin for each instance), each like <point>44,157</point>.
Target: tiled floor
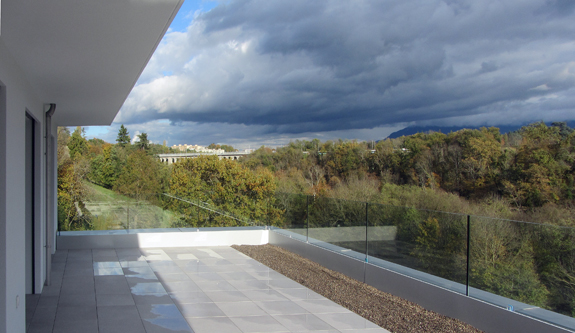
<point>198,290</point>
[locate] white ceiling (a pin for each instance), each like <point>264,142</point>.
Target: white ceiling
<point>84,55</point>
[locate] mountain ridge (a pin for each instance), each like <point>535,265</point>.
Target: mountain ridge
<point>448,129</point>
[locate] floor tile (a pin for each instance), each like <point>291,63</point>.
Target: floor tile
<point>200,310</point>
<point>48,301</point>
<point>212,325</point>
<point>108,271</point>
<point>84,326</point>
<point>114,299</point>
<point>45,315</point>
<point>237,276</point>
<point>284,284</point>
<point>79,264</point>
<point>105,258</point>
<point>250,284</point>
<point>135,279</point>
<point>38,327</point>
<point>300,294</point>
<point>321,306</point>
<point>172,277</point>
<point>111,285</point>
<point>167,269</point>
<point>79,272</point>
<point>184,286</point>
<point>163,318</point>
<point>238,309</point>
<point>107,264</point>
<point>77,300</point>
<point>190,297</point>
<point>135,263</point>
<point>75,313</point>
<point>151,311</point>
<point>205,276</point>
<point>147,288</point>
<point>258,324</point>
<point>138,270</point>
<point>216,262</point>
<point>204,253</point>
<point>159,298</point>
<point>120,318</point>
<point>215,285</point>
<point>281,307</point>
<point>227,296</point>
<point>346,321</point>
<point>303,322</point>
<point>265,295</point>
<point>78,285</point>
<point>183,256</point>
<point>167,325</point>
<point>267,275</point>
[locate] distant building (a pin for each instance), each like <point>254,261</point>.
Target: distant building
<point>197,148</point>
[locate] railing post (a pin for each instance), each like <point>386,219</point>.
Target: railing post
<point>366,228</point>
<point>307,219</point>
<point>128,215</point>
<point>468,254</point>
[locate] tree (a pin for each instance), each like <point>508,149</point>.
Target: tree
<point>227,186</point>
<point>143,142</point>
<point>77,144</point>
<point>123,136</point>
<point>140,176</point>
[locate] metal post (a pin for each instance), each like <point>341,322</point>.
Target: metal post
<point>366,228</point>
<point>307,219</point>
<point>128,216</point>
<point>468,254</point>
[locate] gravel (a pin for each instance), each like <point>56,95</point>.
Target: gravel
<point>390,312</point>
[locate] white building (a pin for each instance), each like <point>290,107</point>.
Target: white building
<point>84,56</point>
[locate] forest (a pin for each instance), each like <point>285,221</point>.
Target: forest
<point>527,175</point>
<point>410,182</point>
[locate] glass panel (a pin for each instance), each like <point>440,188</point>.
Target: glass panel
<point>293,212</point>
<point>531,264</point>
<point>340,223</point>
<point>419,241</point>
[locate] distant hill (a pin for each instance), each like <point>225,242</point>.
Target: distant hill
<point>448,129</point>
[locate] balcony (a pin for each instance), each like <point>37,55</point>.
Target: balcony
<point>199,289</point>
<point>367,242</point>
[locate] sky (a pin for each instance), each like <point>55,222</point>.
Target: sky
<point>262,72</point>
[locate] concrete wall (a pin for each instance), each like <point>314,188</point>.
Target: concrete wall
<point>482,315</point>
<point>170,238</point>
<point>18,101</point>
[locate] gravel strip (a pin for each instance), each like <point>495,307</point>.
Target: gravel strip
<point>390,312</point>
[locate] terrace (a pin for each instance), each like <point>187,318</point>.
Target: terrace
<point>363,241</point>
<point>193,289</point>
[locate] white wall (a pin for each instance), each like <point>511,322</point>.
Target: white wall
<point>19,98</point>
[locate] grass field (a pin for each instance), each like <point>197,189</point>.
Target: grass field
<point>111,210</point>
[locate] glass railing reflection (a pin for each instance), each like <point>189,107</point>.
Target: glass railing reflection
<point>525,267</point>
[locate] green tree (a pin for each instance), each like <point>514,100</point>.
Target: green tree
<point>140,176</point>
<point>227,186</point>
<point>77,145</point>
<point>123,138</point>
<point>143,142</point>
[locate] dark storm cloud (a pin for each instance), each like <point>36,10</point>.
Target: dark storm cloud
<point>313,66</point>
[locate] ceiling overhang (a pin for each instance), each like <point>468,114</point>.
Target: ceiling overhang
<point>84,55</point>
